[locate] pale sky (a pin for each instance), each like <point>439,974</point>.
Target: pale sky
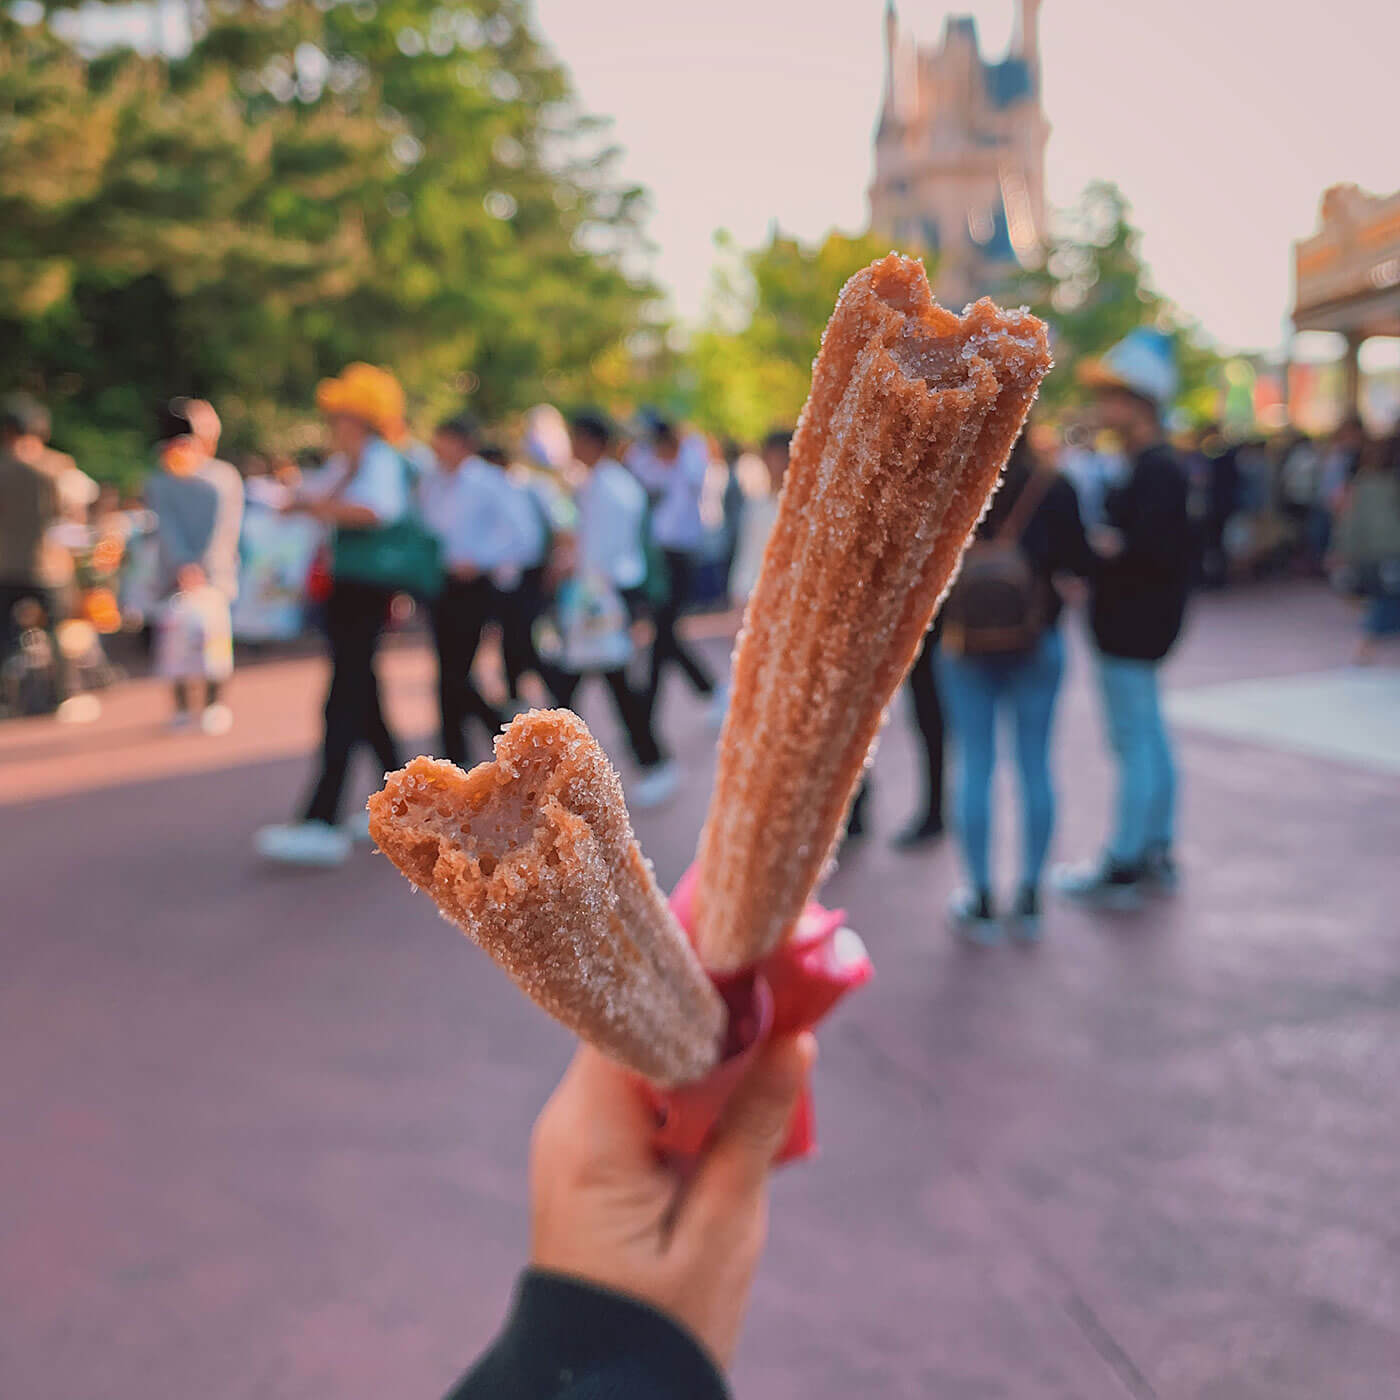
<point>1222,120</point>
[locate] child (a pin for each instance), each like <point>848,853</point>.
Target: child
<point>194,643</point>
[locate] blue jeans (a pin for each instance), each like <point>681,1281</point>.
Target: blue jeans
<point>972,688</point>
<point>1146,803</point>
<point>1382,617</point>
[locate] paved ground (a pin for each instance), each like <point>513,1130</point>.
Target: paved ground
<point>264,1133</point>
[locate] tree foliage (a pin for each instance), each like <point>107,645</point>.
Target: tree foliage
<point>394,180</point>
<point>1093,288</point>
<point>750,366</point>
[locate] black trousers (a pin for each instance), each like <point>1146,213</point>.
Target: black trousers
<point>668,648</point>
<point>928,720</point>
<point>459,616</point>
<point>355,615</point>
<point>633,712</point>
<point>518,609</point>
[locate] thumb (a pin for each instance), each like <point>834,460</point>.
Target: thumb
<point>751,1132</point>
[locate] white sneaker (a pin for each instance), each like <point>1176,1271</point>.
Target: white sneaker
<point>180,721</point>
<point>718,707</point>
<point>357,828</point>
<point>216,720</point>
<point>656,785</point>
<point>303,843</point>
<point>78,709</point>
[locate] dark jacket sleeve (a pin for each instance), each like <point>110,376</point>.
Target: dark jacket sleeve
<point>568,1340</point>
<point>1054,540</point>
<point>1151,514</point>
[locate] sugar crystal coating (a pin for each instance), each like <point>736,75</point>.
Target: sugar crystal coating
<point>533,857</point>
<point>912,414</point>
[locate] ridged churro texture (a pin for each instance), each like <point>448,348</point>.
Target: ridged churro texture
<point>912,414</point>
<point>533,857</point>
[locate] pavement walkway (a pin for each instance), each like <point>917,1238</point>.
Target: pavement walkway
<point>265,1133</point>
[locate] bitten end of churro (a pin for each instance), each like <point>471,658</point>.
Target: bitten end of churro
<point>533,857</point>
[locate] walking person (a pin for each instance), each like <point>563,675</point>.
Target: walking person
<point>1138,592</point>
<point>1002,653</point>
<point>758,516</point>
<point>198,504</point>
<point>363,494</point>
<point>520,586</point>
<point>33,571</point>
<point>673,471</point>
<point>599,597</point>
<point>468,504</point>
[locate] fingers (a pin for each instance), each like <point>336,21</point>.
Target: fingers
<point>597,1114</point>
<point>749,1137</point>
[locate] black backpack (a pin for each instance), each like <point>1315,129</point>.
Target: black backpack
<point>997,605</point>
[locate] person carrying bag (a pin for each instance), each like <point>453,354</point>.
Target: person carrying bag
<point>1002,652</point>
<point>377,550</point>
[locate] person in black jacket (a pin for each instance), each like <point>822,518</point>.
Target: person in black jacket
<point>639,1275</point>
<point>1138,603</point>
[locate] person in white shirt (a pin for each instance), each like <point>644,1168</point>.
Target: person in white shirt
<point>469,504</point>
<point>364,486</point>
<point>520,591</point>
<point>673,471</point>
<point>608,545</point>
<point>759,517</point>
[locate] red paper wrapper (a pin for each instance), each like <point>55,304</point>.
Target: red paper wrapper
<point>789,991</point>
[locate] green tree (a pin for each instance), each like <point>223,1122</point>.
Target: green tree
<point>751,364</point>
<point>1093,288</point>
<point>310,183</point>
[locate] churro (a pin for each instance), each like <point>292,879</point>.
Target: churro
<point>911,416</point>
<point>533,857</point>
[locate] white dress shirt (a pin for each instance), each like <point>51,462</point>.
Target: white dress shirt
<point>676,488</point>
<point>612,507</point>
<point>473,511</point>
<point>379,485</point>
<point>532,523</point>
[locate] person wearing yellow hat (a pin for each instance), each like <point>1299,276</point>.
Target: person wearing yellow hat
<point>1138,591</point>
<point>364,489</point>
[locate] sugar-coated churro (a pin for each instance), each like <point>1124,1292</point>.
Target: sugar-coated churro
<point>911,416</point>
<point>533,857</point>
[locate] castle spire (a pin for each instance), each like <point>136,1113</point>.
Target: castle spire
<point>891,53</point>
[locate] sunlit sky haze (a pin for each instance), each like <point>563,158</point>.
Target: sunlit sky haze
<point>1222,120</point>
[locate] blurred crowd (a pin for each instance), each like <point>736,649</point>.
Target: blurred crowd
<point>578,545</point>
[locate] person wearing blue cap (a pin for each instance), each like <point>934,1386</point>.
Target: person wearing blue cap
<point>1138,593</point>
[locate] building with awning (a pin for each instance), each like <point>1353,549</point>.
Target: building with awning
<point>1346,276</point>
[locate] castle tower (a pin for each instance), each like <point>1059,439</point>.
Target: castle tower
<point>960,154</point>
<point>891,48</point>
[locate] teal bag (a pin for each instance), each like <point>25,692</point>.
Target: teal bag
<point>656,585</point>
<point>404,556</point>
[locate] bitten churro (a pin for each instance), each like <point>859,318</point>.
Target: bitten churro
<point>911,415</point>
<point>533,857</point>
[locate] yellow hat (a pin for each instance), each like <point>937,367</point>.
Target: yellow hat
<point>368,393</point>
